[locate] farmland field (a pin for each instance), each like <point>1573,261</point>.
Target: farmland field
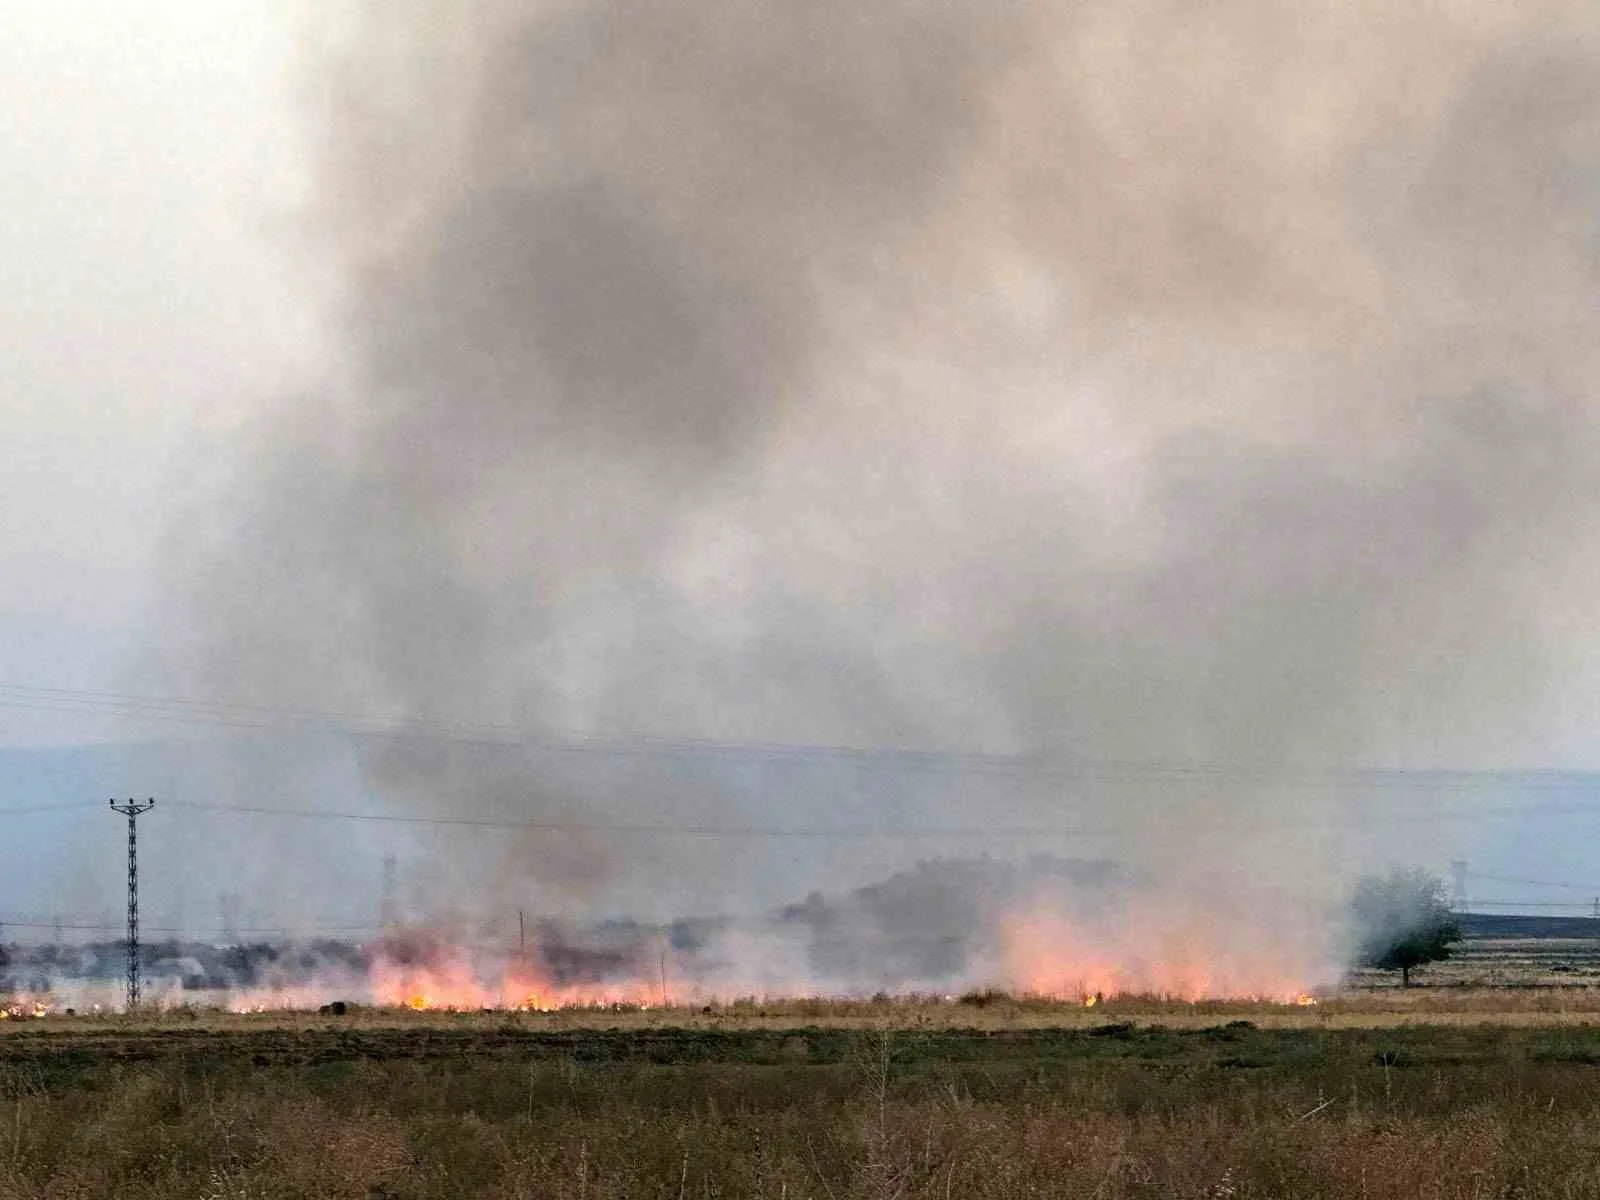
<point>1432,1092</point>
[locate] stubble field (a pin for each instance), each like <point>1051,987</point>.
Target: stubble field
<point>1383,1093</point>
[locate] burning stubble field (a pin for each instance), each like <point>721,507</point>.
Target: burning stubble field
<point>1460,1094</point>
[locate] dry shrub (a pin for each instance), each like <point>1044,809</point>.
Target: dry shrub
<point>1462,1156</point>
<point>1001,1156</point>
<point>240,1185</point>
<point>68,1183</point>
<point>327,1155</point>
<point>1430,1113</point>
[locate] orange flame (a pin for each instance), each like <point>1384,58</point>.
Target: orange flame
<point>22,1007</point>
<point>452,980</point>
<point>1221,946</point>
<point>1146,951</point>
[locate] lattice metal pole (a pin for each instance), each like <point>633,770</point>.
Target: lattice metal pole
<point>131,810</point>
<point>1458,890</point>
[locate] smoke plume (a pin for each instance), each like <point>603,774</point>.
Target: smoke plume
<point>1091,382</point>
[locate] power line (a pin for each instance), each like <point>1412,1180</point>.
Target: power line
<point>845,832</point>
<point>1028,768</point>
<point>290,929</point>
<point>632,827</point>
<point>1576,887</point>
<point>103,927</point>
<point>257,716</point>
<point>1247,822</point>
<point>254,716</point>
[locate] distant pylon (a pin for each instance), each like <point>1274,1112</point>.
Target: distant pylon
<point>131,810</point>
<point>228,904</point>
<point>1458,871</point>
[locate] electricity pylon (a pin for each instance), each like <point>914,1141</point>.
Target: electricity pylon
<point>131,810</point>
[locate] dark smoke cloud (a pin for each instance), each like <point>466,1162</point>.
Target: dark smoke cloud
<point>1102,381</point>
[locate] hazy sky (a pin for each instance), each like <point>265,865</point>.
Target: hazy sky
<point>160,295</point>
<point>147,164</point>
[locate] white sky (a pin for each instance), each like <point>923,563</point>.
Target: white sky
<point>148,166</point>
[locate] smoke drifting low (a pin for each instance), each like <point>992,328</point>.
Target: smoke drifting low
<point>1090,381</point>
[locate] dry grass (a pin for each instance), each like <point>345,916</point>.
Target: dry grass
<point>1368,1007</point>
<point>1121,1113</point>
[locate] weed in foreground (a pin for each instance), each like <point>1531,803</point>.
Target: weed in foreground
<point>1234,1112</point>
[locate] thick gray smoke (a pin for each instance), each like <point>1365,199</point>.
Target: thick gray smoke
<point>1096,381</point>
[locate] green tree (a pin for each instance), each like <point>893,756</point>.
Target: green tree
<point>1402,920</point>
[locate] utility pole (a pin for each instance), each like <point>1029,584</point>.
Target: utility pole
<point>131,810</point>
<point>228,904</point>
